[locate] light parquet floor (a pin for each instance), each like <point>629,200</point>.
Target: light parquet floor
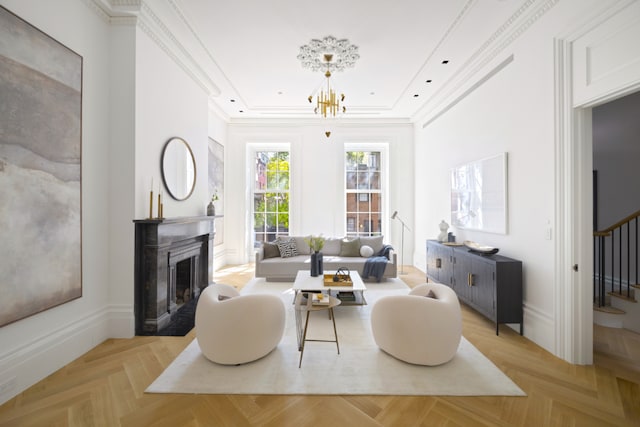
<point>105,387</point>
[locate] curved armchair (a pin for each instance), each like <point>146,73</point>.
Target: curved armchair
<point>233,329</point>
<point>418,329</point>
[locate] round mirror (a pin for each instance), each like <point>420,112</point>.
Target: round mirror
<point>178,168</point>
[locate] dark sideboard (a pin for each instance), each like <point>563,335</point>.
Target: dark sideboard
<point>490,284</point>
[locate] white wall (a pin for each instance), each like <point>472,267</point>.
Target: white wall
<point>218,132</point>
<point>33,348</point>
<point>168,104</point>
<point>317,179</point>
<point>513,111</point>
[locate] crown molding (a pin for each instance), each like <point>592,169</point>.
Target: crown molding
<point>142,14</point>
<point>158,30</point>
<point>308,121</point>
<point>468,74</point>
<point>109,9</point>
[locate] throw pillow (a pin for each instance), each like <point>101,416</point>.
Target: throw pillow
<point>287,248</point>
<point>303,247</point>
<point>331,246</point>
<point>366,251</point>
<point>375,242</point>
<point>431,294</point>
<point>270,250</point>
<point>350,247</point>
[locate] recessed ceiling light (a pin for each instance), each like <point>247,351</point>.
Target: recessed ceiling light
<point>372,93</point>
<point>241,111</point>
<point>279,92</point>
<point>428,81</point>
<point>446,61</point>
<point>416,95</point>
<point>232,100</point>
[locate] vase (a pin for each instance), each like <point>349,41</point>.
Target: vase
<point>320,266</point>
<point>316,264</point>
<point>211,209</point>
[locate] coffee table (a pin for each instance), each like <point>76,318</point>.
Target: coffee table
<point>305,282</point>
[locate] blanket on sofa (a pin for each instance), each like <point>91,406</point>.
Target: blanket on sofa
<point>375,265</point>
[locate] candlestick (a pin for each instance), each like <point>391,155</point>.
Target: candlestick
<point>159,206</point>
<point>151,204</point>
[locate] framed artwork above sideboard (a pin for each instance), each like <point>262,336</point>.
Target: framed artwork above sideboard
<point>479,195</point>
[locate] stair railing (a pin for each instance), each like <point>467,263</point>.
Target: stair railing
<point>615,258</point>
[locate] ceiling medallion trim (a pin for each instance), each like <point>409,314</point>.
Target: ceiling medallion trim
<point>344,54</point>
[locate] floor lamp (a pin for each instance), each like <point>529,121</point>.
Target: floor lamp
<point>395,216</point>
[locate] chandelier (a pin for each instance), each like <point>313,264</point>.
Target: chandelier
<point>327,101</point>
<point>329,54</point>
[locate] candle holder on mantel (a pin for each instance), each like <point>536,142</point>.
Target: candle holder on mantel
<point>160,206</point>
<point>151,204</point>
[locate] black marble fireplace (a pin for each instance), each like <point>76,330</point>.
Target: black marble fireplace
<point>173,263</point>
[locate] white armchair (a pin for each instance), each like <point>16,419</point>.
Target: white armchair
<point>233,329</point>
<point>416,328</point>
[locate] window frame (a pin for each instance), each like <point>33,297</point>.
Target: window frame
<point>253,171</point>
<point>383,170</point>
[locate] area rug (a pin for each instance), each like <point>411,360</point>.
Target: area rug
<point>361,367</point>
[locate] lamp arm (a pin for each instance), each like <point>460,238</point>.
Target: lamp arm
<point>402,222</point>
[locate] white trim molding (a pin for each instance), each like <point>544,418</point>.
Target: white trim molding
<point>573,311</point>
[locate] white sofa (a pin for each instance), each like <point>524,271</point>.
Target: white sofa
<point>337,252</point>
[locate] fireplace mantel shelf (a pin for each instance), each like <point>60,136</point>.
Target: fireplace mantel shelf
<point>176,220</point>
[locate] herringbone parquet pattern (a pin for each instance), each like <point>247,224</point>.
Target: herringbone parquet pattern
<point>105,387</point>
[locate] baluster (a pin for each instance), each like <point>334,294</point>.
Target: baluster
<point>628,261</point>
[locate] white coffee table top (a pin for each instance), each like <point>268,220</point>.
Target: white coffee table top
<point>304,281</point>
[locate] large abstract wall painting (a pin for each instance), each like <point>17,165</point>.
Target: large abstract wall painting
<point>40,171</point>
<point>216,184</point>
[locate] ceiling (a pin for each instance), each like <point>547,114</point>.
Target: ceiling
<point>250,50</point>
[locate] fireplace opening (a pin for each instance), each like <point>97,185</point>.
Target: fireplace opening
<point>184,281</point>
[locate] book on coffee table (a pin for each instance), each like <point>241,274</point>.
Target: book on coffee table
<point>320,299</point>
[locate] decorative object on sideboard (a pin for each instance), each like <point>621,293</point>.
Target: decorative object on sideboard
<point>395,216</point>
<point>481,249</point>
<point>444,227</point>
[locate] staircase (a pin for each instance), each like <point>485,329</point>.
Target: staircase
<point>616,288</point>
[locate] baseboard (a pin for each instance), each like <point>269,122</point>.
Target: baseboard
<point>539,327</point>
<point>122,322</point>
<point>24,366</point>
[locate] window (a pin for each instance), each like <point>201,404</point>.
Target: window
<point>271,196</point>
<point>363,193</point>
